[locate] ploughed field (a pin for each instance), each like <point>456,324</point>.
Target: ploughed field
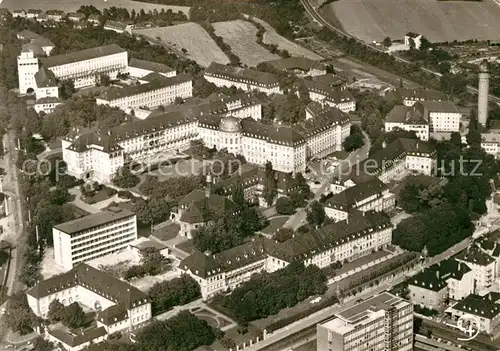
<point>192,37</point>
<point>241,36</point>
<point>439,21</point>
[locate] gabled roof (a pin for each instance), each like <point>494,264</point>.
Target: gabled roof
<point>82,55</point>
<point>336,95</point>
<point>347,199</point>
<point>97,281</point>
<point>200,207</point>
<point>155,82</point>
<point>150,66</point>
<point>480,306</point>
<point>475,255</point>
<point>300,63</point>
<point>436,276</point>
<point>45,78</point>
<point>113,315</point>
<point>93,220</point>
<point>205,266</point>
<point>416,94</point>
<point>74,340</point>
<point>242,74</point>
<point>116,25</point>
<point>86,141</point>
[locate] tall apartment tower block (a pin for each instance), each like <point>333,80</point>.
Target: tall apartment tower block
<point>484,87</point>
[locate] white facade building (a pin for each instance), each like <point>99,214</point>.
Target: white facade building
<point>490,142</point>
<point>415,38</point>
<point>120,306</point>
<point>448,279</point>
<point>242,78</point>
<point>344,240</point>
<point>93,236</point>
<point>155,90</point>
<point>372,195</point>
<point>301,66</point>
<point>410,97</point>
<point>425,118</point>
<point>382,322</point>
<point>335,96</point>
<point>140,68</point>
<point>401,157</point>
<point>483,266</point>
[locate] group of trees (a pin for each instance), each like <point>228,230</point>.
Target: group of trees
<point>176,292</point>
<point>183,332</point>
<point>226,48</point>
<point>437,229</point>
<point>174,187</point>
<point>152,263</point>
<point>316,215</point>
<point>126,179</point>
<point>257,298</point>
<point>71,315</point>
<point>227,229</point>
<point>355,140</point>
<point>19,317</point>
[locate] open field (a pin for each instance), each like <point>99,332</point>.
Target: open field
<point>73,5</point>
<point>241,36</point>
<point>192,37</point>
<point>272,37</point>
<point>437,20</point>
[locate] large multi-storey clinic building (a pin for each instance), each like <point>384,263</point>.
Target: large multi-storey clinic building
<point>99,155</point>
<point>383,322</point>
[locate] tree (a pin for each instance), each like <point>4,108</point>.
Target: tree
<point>175,292</point>
<point>40,344</point>
<point>19,317</point>
<point>178,100</point>
<point>238,194</point>
<point>298,200</point>
<point>387,42</point>
<point>183,332</point>
<point>355,140</point>
<point>474,133</point>
<point>73,316</point>
<point>124,178</point>
<point>67,89</point>
<point>456,139</point>
<point>270,190</point>
<point>285,206</point>
<point>56,311</point>
<point>316,214</point>
<point>301,183</point>
<point>104,80</point>
<point>283,234</point>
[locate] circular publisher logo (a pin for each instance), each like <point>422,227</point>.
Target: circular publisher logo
<point>469,325</point>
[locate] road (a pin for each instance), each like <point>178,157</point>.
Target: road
<point>313,12</point>
<point>306,328</point>
<point>17,239</point>
<point>299,218</point>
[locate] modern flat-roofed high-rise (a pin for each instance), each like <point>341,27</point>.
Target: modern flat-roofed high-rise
<point>93,236</point>
<point>381,323</point>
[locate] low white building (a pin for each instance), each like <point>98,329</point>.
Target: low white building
<point>33,13</point>
<point>301,66</point>
<point>335,96</point>
<point>76,16</point>
<point>155,90</point>
<point>425,118</point>
<point>413,40</point>
<point>55,15</point>
<point>140,68</point>
<point>118,27</point>
<point>47,104</point>
<point>367,196</point>
<point>93,236</point>
<point>490,142</point>
<point>342,241</point>
<point>119,306</point>
<point>242,78</point>
<point>76,341</point>
<point>448,279</point>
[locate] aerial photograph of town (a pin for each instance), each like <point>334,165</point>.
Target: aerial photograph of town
<point>250,175</point>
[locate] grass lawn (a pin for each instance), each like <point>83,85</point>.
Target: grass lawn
<point>167,232</point>
<point>274,224</point>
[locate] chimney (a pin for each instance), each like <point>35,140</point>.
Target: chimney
<point>437,274</point>
<point>417,145</point>
<point>208,186</point>
<point>384,144</point>
<point>459,266</point>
